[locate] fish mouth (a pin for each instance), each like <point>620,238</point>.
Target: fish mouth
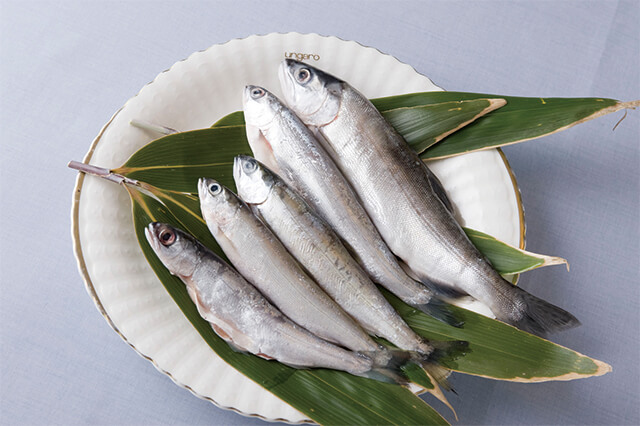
<point>286,79</point>
<point>203,183</point>
<point>237,169</point>
<point>151,233</point>
<point>246,95</point>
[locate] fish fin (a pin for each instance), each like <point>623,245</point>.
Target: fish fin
<point>237,341</point>
<point>391,364</point>
<point>388,365</point>
<point>436,307</point>
<point>441,311</point>
<point>444,355</point>
<point>540,317</point>
<point>441,291</point>
<point>385,376</point>
<point>445,292</point>
<point>438,189</point>
<point>261,148</point>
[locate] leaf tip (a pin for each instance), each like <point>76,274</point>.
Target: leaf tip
<point>603,368</point>
<point>495,103</point>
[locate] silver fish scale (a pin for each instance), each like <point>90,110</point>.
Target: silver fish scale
<point>304,165</point>
<point>244,318</point>
<point>402,198</point>
<point>395,190</point>
<point>320,251</point>
<point>262,259</point>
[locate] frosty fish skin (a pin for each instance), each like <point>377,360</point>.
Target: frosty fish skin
<point>284,144</point>
<point>397,190</point>
<point>262,259</point>
<point>314,244</point>
<point>239,313</point>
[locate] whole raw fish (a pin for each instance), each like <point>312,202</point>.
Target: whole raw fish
<point>314,244</point>
<point>283,143</point>
<point>239,313</point>
<point>262,259</point>
<point>399,192</point>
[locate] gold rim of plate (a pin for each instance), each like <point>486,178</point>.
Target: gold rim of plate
<point>77,248</point>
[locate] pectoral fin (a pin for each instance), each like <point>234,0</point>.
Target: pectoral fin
<point>261,148</point>
<point>237,340</point>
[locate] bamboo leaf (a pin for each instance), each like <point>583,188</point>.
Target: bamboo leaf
<point>500,351</point>
<point>169,169</point>
<point>176,162</point>
<point>420,125</point>
<point>173,164</point>
<point>507,259</point>
<point>520,120</point>
<point>326,396</point>
<point>423,126</point>
<point>497,350</point>
<point>233,119</point>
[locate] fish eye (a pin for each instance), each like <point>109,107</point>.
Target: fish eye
<point>250,166</point>
<point>215,188</point>
<point>167,237</point>
<point>257,93</point>
<point>303,75</point>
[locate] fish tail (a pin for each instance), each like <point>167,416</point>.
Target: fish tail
<point>540,317</point>
<point>444,355</point>
<point>391,365</point>
<point>441,311</point>
<point>388,366</point>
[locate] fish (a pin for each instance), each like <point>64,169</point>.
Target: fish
<point>261,258</point>
<point>245,319</point>
<point>310,239</point>
<point>281,141</point>
<point>406,204</point>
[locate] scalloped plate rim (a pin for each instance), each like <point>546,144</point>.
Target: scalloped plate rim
<point>77,248</point>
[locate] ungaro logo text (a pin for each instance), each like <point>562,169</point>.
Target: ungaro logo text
<point>301,56</point>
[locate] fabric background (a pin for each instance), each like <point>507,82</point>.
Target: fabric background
<point>67,66</point>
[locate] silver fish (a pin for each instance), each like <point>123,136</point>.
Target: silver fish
<point>314,244</point>
<point>284,144</point>
<point>262,259</point>
<point>404,201</point>
<point>238,312</point>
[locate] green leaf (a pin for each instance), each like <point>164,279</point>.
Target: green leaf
<point>507,259</point>
<point>497,350</point>
<point>520,120</point>
<point>176,162</point>
<point>169,168</point>
<point>326,396</point>
<point>173,164</point>
<point>500,351</point>
<point>233,119</point>
<point>423,126</point>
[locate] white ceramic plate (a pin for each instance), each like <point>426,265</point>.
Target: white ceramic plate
<point>193,94</point>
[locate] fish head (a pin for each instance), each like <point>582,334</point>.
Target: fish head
<point>311,93</point>
<point>260,106</point>
<point>253,180</point>
<point>175,249</point>
<point>218,204</point>
<point>260,111</point>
